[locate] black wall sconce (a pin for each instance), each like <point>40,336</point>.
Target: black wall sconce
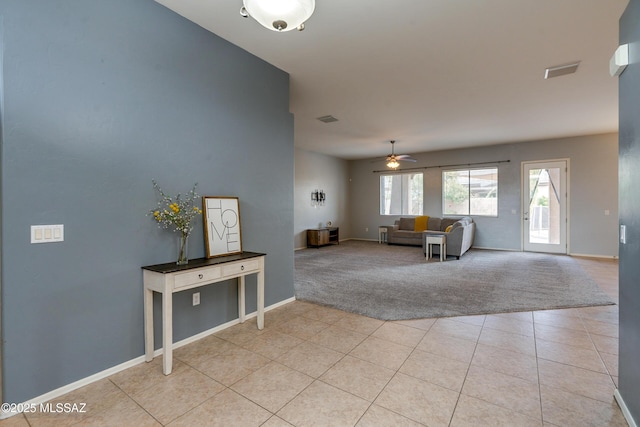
<point>317,197</point>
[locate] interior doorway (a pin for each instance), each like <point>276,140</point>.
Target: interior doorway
<point>545,197</point>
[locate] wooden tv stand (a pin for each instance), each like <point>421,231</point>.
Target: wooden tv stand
<point>317,237</point>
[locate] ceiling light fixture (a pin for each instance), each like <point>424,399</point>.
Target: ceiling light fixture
<point>393,159</point>
<point>393,163</point>
<point>279,15</point>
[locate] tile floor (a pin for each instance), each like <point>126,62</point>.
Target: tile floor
<point>315,366</point>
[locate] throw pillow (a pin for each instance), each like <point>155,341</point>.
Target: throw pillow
<point>448,229</point>
<point>456,225</point>
<point>446,222</point>
<point>421,223</point>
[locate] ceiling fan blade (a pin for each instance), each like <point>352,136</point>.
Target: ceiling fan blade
<point>394,157</point>
<point>405,157</point>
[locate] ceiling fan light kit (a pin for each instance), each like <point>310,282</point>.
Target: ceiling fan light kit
<point>392,159</point>
<point>393,164</point>
<point>279,15</point>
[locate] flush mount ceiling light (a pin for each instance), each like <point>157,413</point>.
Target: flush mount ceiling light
<point>279,15</point>
<point>561,70</point>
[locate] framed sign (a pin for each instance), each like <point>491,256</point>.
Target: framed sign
<point>221,220</point>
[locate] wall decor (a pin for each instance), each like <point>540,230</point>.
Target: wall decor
<point>177,213</point>
<point>221,221</point>
<point>317,198</point>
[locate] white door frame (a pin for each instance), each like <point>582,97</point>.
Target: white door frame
<point>524,202</point>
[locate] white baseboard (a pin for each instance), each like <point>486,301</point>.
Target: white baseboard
<point>614,257</point>
<point>625,410</point>
<point>594,256</point>
<point>279,304</point>
<point>131,363</point>
<point>73,386</point>
<point>486,248</point>
<point>219,328</point>
<point>341,240</point>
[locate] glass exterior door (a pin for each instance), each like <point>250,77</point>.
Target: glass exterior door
<point>545,206</point>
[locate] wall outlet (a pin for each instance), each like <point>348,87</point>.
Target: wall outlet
<point>196,298</point>
<point>366,229</point>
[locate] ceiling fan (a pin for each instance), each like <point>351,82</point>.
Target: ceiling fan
<point>393,159</point>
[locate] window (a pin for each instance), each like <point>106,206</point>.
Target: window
<point>470,192</point>
<point>401,194</point>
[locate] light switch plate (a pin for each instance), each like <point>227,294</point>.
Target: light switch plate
<point>47,233</point>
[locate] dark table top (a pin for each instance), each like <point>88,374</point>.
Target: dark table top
<point>172,267</point>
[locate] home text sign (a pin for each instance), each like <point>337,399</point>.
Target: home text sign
<point>221,225</point>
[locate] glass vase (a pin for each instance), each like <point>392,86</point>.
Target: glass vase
<point>183,249</point>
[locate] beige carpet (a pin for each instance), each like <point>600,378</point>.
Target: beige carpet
<point>395,282</point>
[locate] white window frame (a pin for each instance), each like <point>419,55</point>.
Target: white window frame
<point>470,211</point>
<point>402,197</point>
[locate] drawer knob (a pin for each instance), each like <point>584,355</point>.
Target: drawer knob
<point>200,276</point>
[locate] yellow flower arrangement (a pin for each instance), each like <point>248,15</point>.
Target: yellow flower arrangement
<point>178,213</point>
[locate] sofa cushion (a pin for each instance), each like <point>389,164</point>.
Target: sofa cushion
<point>407,224</point>
<point>434,223</point>
<point>420,223</point>
<point>446,222</point>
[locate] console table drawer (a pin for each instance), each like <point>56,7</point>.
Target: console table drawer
<point>195,277</point>
<point>240,268</point>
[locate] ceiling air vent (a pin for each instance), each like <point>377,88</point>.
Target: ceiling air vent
<point>561,70</point>
<point>327,119</point>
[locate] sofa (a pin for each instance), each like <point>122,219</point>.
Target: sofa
<point>460,233</point>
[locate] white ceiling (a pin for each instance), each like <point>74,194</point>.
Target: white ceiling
<point>435,74</point>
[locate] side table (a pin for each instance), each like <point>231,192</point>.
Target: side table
<point>436,239</point>
<point>382,234</point>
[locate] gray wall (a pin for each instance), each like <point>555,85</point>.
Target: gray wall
<point>593,185</point>
<point>102,97</point>
<point>629,87</point>
<point>318,171</point>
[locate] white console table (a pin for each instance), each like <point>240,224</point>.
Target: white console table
<point>170,278</point>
